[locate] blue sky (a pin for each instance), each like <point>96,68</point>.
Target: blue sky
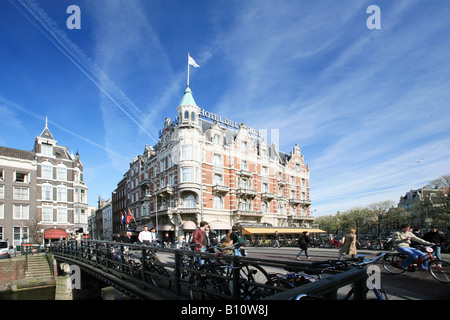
<point>368,108</point>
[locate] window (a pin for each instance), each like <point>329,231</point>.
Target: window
<point>2,192</point>
<point>187,174</point>
<point>186,115</point>
<point>244,146</point>
<point>2,213</point>
<point>21,211</point>
<point>189,201</point>
<point>218,203</point>
<point>22,177</point>
<point>217,160</point>
<point>245,204</point>
<point>20,235</point>
<point>216,139</point>
<point>264,207</point>
<point>61,194</point>
<point>192,116</point>
<point>47,214</point>
<point>186,153</point>
<point>62,215</point>
<point>245,184</point>
<point>21,193</point>
<point>47,150</point>
<point>2,175</point>
<point>47,192</point>
<point>292,194</point>
<point>217,179</point>
<point>61,172</point>
<point>264,171</point>
<point>265,188</point>
<point>47,170</point>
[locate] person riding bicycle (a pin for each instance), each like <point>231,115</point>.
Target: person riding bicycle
<point>402,240</point>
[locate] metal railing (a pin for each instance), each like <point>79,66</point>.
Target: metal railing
<point>175,274</point>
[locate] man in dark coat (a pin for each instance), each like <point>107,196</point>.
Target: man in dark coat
<point>303,243</point>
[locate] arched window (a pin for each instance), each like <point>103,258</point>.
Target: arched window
<point>192,116</point>
<point>189,201</point>
<point>186,116</point>
<point>47,170</point>
<point>61,172</point>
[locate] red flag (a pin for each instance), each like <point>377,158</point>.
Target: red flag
<point>129,216</point>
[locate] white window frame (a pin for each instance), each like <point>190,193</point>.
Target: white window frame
<point>47,192</point>
<point>47,214</point>
<point>21,193</point>
<point>21,211</point>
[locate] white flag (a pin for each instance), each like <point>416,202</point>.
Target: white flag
<point>193,63</point>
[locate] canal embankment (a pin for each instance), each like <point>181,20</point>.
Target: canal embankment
<point>26,272</point>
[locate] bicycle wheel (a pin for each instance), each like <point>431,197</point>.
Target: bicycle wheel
<point>440,270</point>
<point>390,260</point>
<point>252,279</point>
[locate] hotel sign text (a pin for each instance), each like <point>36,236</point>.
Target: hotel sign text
<point>227,122</point>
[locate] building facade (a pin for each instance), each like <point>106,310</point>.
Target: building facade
<point>42,193</point>
<point>426,207</point>
<point>208,168</point>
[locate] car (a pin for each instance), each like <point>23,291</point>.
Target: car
<point>4,249</point>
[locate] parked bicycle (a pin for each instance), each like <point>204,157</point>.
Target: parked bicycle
<point>439,269</point>
<point>218,277</point>
<point>332,266</point>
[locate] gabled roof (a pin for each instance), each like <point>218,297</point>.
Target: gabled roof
<point>46,132</point>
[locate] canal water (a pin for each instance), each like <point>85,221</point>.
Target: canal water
<point>47,293</point>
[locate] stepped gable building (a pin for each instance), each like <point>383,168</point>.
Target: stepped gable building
<point>42,193</point>
<point>208,168</point>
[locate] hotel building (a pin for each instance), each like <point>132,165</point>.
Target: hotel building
<point>206,168</point>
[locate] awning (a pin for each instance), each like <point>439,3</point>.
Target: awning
<point>166,227</point>
<point>219,225</point>
<point>271,230</point>
<point>55,234</point>
<point>189,225</point>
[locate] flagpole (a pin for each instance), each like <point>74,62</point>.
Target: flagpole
<point>188,70</point>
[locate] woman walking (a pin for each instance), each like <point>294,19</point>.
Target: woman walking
<point>349,246</point>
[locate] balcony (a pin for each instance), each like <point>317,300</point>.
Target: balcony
<point>218,188</point>
<point>249,213</point>
<point>267,196</point>
<point>246,192</point>
<point>186,186</point>
<point>188,210</point>
<point>245,173</point>
<point>167,190</point>
<point>295,201</point>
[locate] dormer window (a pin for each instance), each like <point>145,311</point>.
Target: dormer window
<point>47,150</point>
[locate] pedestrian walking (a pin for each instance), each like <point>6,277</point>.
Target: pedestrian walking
<point>199,240</point>
<point>237,241</point>
<point>437,238</point>
<point>349,246</point>
<point>276,239</point>
<point>303,243</point>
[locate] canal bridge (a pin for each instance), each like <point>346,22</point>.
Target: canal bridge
<point>154,273</point>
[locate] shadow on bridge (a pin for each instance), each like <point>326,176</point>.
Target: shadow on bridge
<point>151,273</point>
